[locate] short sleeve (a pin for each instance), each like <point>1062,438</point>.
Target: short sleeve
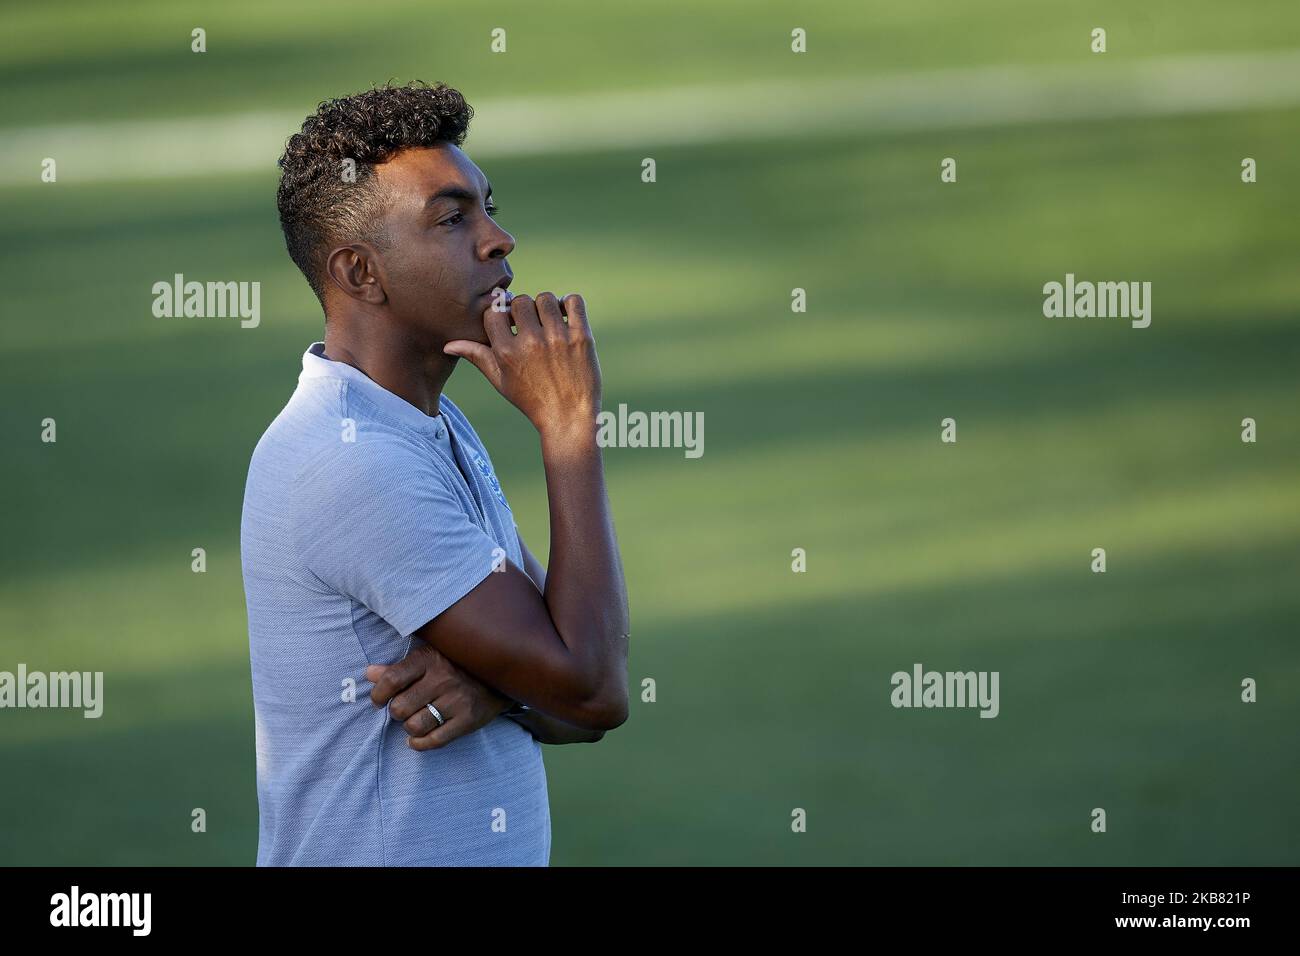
<point>379,524</point>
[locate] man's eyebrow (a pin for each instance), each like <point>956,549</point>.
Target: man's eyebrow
<point>456,192</point>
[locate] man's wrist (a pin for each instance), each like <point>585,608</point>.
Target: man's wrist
<point>573,433</point>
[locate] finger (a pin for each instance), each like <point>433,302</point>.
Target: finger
<point>441,736</point>
<point>478,355</point>
<point>422,722</point>
<point>395,678</point>
<point>548,312</point>
<point>412,700</point>
<point>575,309</point>
<point>375,671</point>
<point>497,321</point>
<point>524,311</point>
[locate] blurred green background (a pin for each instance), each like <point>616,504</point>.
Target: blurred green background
<point>1119,690</point>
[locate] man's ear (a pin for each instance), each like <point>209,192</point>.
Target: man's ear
<point>354,269</point>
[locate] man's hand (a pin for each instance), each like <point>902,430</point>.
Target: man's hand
<point>423,677</point>
<point>563,650</point>
<point>549,369</point>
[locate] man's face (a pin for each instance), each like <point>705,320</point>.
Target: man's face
<point>445,252</point>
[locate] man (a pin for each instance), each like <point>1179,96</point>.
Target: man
<point>375,531</point>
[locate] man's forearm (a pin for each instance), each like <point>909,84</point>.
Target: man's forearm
<point>548,730</point>
<point>585,591</point>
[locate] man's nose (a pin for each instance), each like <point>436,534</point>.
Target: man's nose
<point>499,244</point>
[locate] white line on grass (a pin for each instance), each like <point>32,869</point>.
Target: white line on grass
<point>1102,88</point>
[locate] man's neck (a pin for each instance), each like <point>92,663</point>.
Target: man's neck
<point>409,372</point>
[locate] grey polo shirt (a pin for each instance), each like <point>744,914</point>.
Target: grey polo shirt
<point>363,520</point>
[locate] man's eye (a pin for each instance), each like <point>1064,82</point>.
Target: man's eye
<point>460,216</point>
<point>493,209</point>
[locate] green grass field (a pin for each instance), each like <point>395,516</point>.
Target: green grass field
<point>822,432</point>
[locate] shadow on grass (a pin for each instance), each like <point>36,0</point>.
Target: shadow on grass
<point>1120,692</point>
<point>154,445</point>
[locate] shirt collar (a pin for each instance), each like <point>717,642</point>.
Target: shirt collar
<point>316,365</point>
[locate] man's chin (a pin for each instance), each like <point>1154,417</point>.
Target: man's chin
<point>478,335</point>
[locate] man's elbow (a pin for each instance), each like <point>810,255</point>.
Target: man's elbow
<point>605,711</point>
<point>616,713</point>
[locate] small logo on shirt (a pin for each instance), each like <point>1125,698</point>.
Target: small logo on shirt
<point>490,478</point>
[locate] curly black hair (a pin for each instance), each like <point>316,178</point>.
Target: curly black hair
<point>320,206</point>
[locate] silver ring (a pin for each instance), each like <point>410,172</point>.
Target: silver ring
<point>436,716</point>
